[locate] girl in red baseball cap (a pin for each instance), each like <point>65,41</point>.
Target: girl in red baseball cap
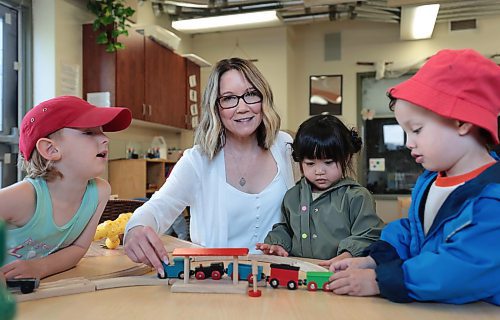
<point>52,215</point>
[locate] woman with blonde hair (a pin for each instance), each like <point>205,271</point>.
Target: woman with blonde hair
<point>234,177</point>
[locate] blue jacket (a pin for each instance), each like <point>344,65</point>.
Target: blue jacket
<point>458,261</point>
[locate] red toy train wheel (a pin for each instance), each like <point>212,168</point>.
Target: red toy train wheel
<point>312,286</point>
<point>216,275</point>
<point>200,275</point>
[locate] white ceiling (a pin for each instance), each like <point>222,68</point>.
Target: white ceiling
<point>309,11</point>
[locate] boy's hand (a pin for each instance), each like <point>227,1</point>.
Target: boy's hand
<point>22,269</point>
<point>273,249</point>
<point>142,244</point>
<point>353,263</point>
<point>328,263</point>
<point>354,282</point>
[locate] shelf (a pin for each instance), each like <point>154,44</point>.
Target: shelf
<point>197,60</point>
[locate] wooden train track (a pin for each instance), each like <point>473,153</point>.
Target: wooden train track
<point>134,276</point>
<point>139,275</point>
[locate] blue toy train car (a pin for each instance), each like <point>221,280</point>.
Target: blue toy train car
<point>245,272</point>
<point>175,270</point>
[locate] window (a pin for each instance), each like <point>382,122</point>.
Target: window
<point>13,86</point>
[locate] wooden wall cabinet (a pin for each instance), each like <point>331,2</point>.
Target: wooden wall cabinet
<point>136,178</point>
<point>145,77</point>
<point>165,74</point>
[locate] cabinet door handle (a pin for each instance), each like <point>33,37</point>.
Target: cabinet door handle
<point>143,109</point>
<point>150,110</point>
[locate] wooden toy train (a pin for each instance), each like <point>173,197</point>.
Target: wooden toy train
<point>281,275</point>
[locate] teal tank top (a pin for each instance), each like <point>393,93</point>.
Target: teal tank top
<point>41,236</point>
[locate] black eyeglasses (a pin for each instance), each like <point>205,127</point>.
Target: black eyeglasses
<point>228,102</point>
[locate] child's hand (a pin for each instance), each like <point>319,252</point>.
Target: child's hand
<point>353,263</point>
<point>328,263</point>
<point>273,249</point>
<point>354,282</point>
<point>22,269</point>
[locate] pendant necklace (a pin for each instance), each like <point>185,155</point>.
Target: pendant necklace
<point>242,182</point>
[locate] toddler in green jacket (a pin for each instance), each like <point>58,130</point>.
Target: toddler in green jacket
<point>325,215</point>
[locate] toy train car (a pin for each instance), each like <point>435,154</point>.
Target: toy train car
<point>287,275</point>
<point>175,270</point>
<point>317,279</point>
<point>25,285</point>
<point>245,272</point>
<point>284,275</point>
<point>214,270</point>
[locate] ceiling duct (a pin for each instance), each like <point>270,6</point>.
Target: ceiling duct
<point>310,11</point>
<point>457,25</point>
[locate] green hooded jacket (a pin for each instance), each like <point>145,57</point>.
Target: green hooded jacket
<point>341,219</point>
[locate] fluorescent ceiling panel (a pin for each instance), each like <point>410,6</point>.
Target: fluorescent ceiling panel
<point>228,22</point>
<point>417,22</point>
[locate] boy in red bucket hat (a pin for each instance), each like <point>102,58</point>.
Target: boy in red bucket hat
<point>52,215</point>
<point>447,248</point>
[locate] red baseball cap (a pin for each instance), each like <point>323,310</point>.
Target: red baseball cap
<point>67,112</point>
<point>457,84</point>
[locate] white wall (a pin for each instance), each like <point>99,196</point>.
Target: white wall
<point>288,58</point>
<point>268,46</point>
<point>44,50</point>
<point>374,42</point>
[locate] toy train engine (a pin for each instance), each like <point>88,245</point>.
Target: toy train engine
<point>284,275</point>
<point>245,272</point>
<point>175,270</point>
<point>215,271</point>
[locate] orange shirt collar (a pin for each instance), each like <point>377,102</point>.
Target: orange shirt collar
<point>443,181</point>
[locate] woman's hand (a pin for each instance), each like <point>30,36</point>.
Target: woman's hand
<point>353,263</point>
<point>328,263</point>
<point>22,269</point>
<point>142,244</point>
<point>273,249</point>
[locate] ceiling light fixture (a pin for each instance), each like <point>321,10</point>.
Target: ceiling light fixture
<point>417,22</point>
<point>228,22</point>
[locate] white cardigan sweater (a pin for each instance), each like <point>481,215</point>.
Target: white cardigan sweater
<point>194,182</point>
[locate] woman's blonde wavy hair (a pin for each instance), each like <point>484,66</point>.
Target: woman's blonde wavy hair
<point>210,134</point>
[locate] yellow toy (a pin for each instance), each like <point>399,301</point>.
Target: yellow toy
<point>112,229</point>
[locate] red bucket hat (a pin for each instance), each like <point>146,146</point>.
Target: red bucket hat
<point>67,112</point>
<point>457,84</point>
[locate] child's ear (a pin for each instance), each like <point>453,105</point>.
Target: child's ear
<point>464,128</point>
<point>48,149</point>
